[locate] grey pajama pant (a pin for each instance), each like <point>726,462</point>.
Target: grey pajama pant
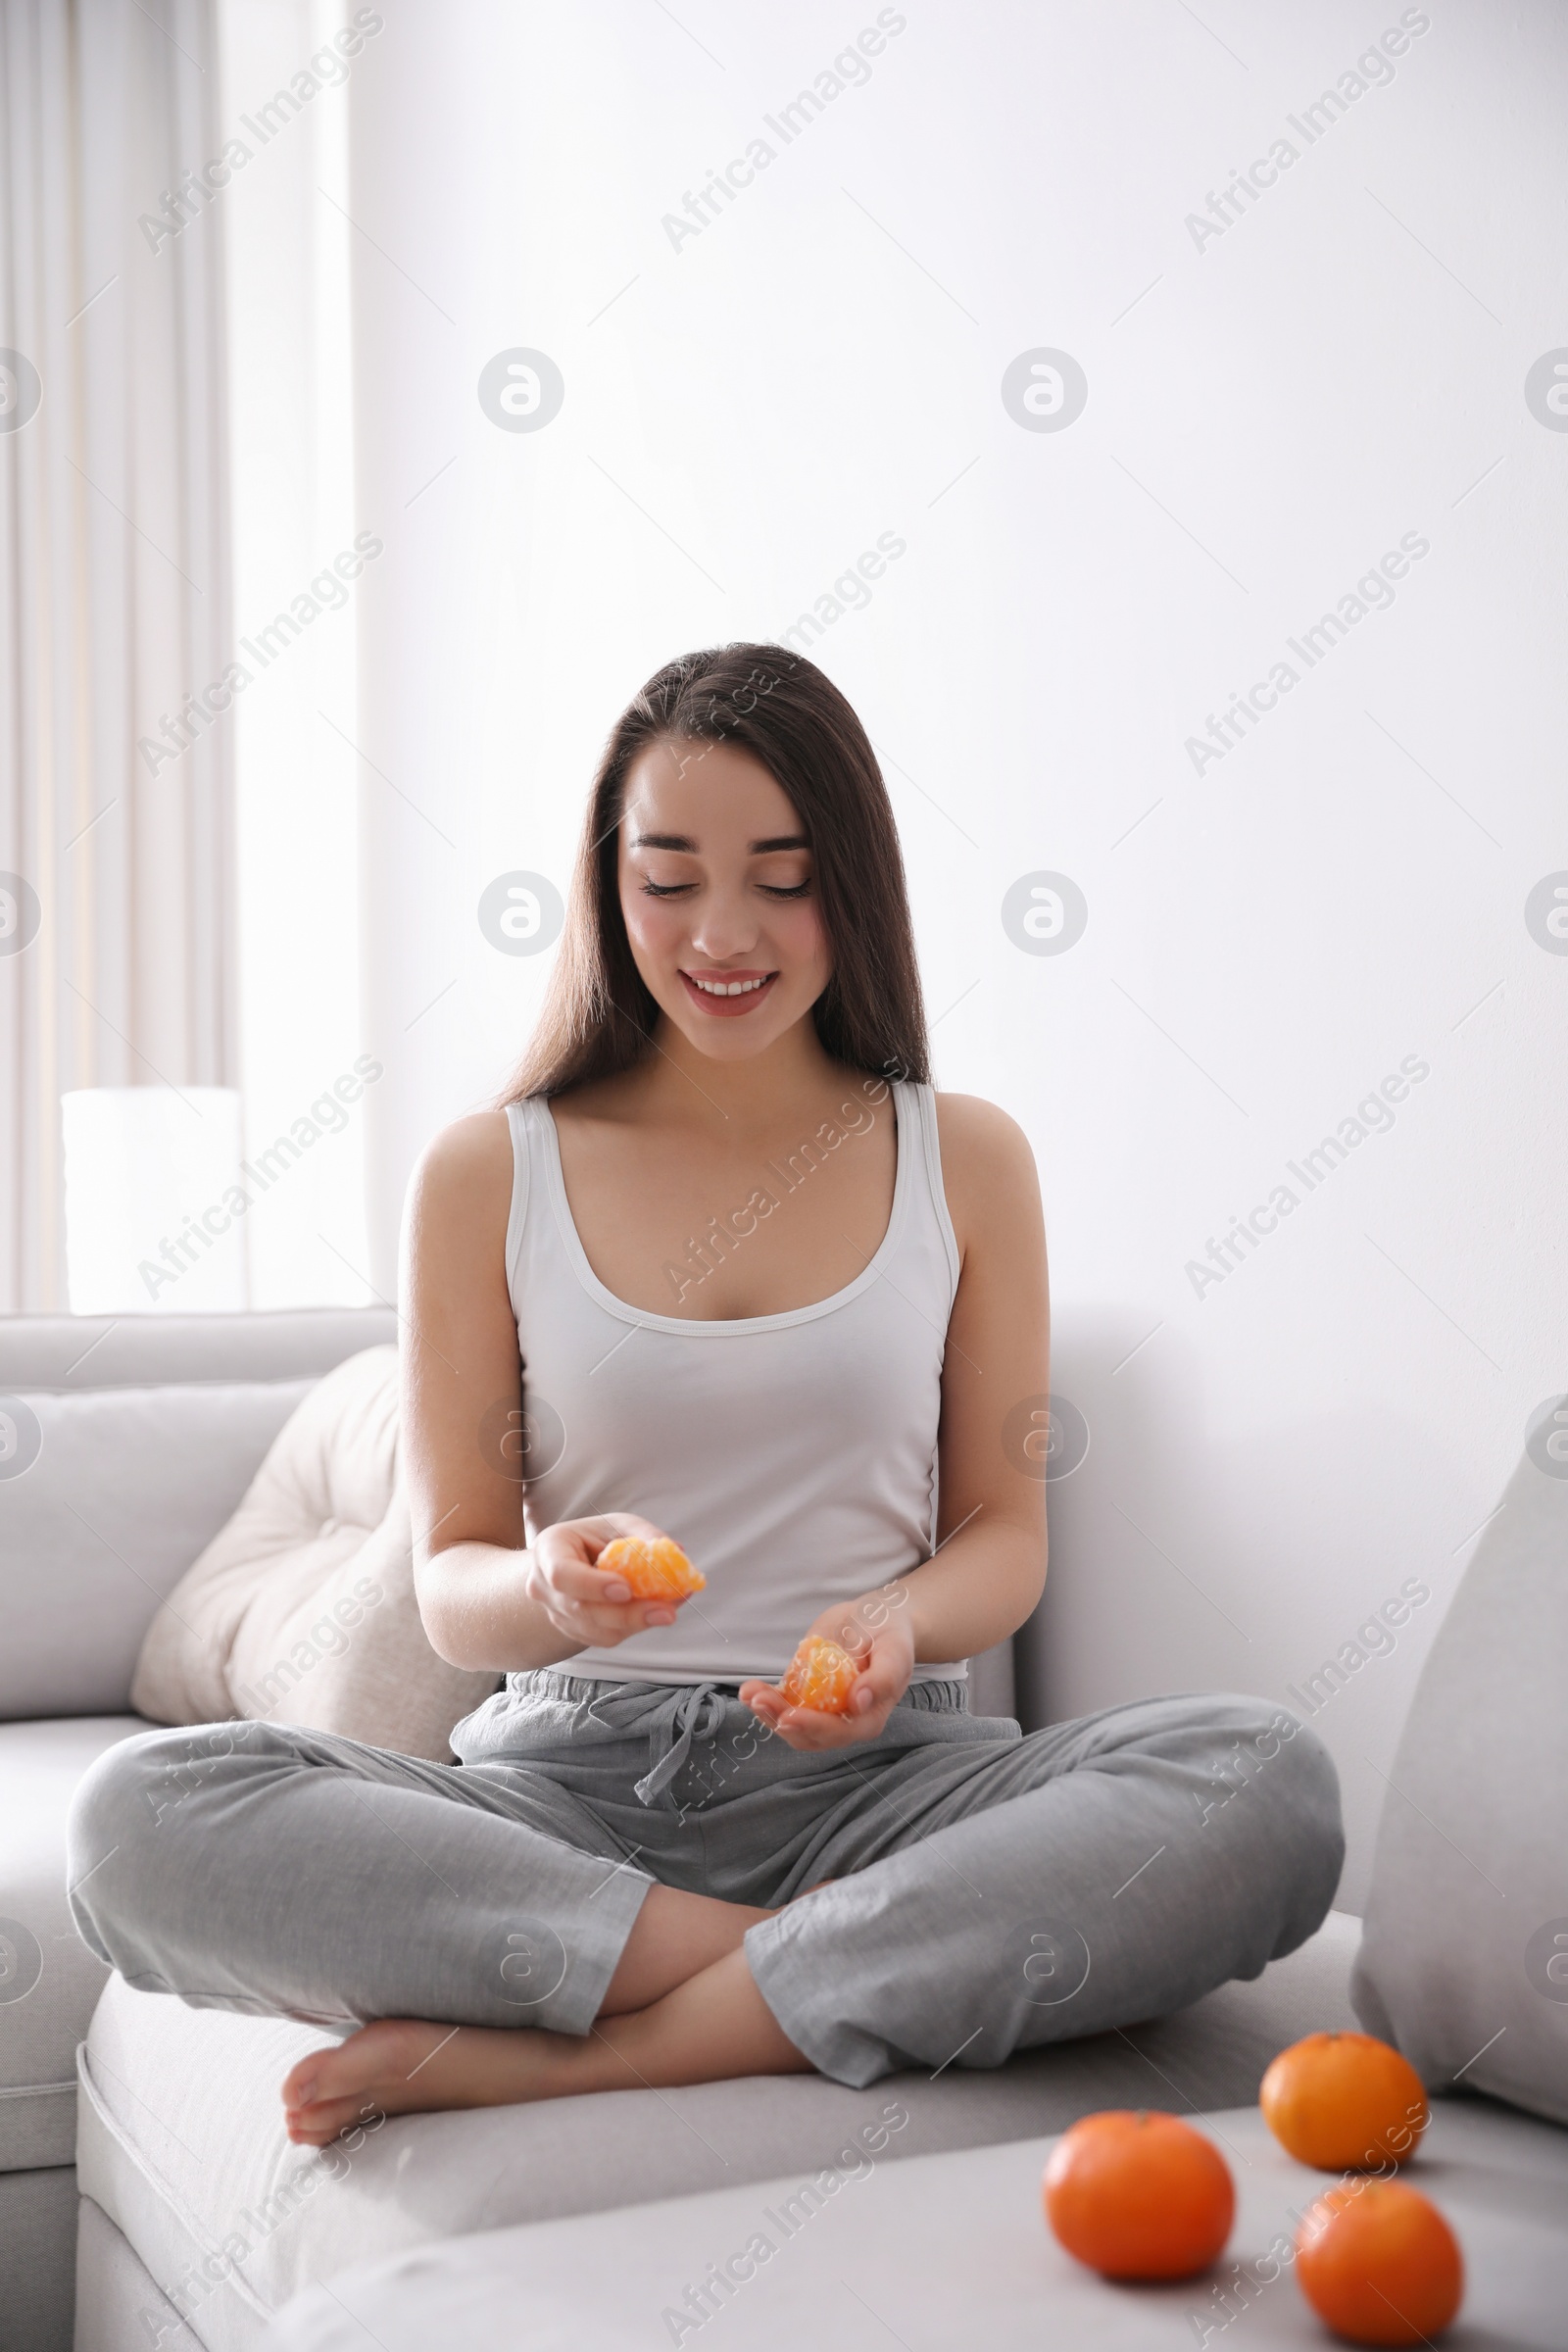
<point>988,1892</point>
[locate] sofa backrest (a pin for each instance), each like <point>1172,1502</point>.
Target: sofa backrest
<point>126,1443</point>
<point>73,1352</point>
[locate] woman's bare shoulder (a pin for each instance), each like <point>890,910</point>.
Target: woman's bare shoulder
<point>980,1135</point>
<point>988,1165</point>
<point>466,1167</point>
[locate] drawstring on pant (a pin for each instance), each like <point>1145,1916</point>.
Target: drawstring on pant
<point>691,1712</point>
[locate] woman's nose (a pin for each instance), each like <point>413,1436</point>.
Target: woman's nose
<point>725,926</point>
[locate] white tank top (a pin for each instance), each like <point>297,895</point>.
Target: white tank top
<point>793,1456</point>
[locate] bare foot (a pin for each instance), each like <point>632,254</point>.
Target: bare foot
<point>713,2027</point>
<point>397,2066</point>
<point>406,2065</point>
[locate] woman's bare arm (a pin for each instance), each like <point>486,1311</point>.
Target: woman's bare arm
<point>485,1601</point>
<point>989,1568</point>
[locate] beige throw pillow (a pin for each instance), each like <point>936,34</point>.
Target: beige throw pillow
<point>302,1609</point>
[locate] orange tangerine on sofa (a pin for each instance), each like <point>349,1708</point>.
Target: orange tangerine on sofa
<point>655,1571</point>
<point>820,1676</point>
<point>1346,2102</point>
<point>1139,2195</point>
<point>1378,2262</point>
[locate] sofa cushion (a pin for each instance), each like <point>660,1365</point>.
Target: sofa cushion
<point>950,2250</point>
<point>301,1608</point>
<point>49,1981</point>
<point>105,1499</point>
<point>182,2143</point>
<point>1465,1963</point>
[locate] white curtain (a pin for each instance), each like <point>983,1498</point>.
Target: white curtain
<point>116,787</point>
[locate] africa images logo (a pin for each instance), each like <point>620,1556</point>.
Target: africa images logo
<point>1044,390</point>
<point>522,390</point>
<point>520,913</point>
<point>21,391</point>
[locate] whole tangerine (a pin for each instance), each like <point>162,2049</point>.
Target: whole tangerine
<point>1139,2195</point>
<point>1344,2102</point>
<point>1378,2262</point>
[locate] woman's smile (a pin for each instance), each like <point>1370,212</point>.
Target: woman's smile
<point>727,992</point>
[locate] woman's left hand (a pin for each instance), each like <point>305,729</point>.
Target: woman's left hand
<point>881,1640</point>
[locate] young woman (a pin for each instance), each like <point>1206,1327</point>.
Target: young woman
<point>722,1268</point>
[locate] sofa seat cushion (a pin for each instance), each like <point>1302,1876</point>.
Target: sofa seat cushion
<point>301,1608</point>
<point>180,2135</point>
<point>49,1981</point>
<point>948,2250</point>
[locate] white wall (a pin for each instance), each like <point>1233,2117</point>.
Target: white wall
<point>1267,939</point>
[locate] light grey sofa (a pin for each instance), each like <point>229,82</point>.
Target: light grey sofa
<point>197,2221</point>
<point>152,1428</point>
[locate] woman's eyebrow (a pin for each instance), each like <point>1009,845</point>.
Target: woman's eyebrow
<point>684,843</point>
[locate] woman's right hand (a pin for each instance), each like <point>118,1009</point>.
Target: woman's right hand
<point>591,1607</point>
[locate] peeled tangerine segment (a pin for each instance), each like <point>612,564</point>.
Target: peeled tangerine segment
<point>655,1571</point>
<point>820,1676</point>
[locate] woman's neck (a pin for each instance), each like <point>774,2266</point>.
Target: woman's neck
<point>675,1083</point>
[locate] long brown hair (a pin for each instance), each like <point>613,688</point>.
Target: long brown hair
<point>597,1015</point>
